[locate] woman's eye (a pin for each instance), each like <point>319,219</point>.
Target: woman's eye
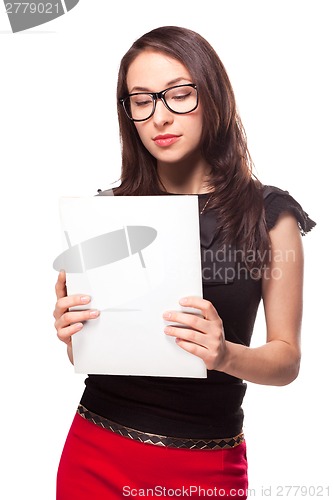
<point>180,97</point>
<point>141,102</point>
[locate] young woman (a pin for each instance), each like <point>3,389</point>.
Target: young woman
<point>145,436</point>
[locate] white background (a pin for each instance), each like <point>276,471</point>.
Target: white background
<point>59,137</point>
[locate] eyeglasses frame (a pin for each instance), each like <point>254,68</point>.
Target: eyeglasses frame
<point>159,95</point>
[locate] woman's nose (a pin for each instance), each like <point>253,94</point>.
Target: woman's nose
<point>162,114</point>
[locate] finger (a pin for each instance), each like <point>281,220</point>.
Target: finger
<point>187,335</point>
<point>60,287</point>
<point>192,348</point>
<point>65,334</point>
<point>208,310</point>
<point>72,317</point>
<point>189,319</point>
<point>68,301</point>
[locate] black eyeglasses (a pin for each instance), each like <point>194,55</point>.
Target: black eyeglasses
<point>180,99</point>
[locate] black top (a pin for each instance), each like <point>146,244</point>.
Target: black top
<point>187,407</point>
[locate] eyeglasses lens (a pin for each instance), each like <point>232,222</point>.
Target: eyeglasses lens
<point>180,100</point>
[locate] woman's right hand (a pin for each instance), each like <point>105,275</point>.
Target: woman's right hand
<point>67,323</point>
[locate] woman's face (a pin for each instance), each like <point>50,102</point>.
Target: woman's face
<point>169,137</point>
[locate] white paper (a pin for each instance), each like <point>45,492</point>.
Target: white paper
<point>133,292</point>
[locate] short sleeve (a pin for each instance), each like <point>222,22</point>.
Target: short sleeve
<point>277,201</point>
<point>106,192</point>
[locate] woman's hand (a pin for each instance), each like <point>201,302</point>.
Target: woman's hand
<point>203,337</point>
<point>67,323</point>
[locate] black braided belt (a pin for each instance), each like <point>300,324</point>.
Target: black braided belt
<point>172,442</point>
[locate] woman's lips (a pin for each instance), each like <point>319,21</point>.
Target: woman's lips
<point>165,140</point>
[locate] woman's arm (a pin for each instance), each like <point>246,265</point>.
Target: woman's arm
<point>276,362</point>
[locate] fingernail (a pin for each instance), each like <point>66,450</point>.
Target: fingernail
<point>85,298</point>
<point>183,301</point>
<point>94,314</point>
<point>78,326</point>
<point>167,315</point>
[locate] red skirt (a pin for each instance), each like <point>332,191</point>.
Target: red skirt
<point>98,464</point>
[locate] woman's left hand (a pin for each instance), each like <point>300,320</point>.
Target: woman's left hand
<point>201,336</point>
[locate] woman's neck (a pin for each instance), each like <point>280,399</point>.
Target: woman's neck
<point>185,178</point>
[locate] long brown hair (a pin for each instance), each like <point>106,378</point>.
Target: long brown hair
<point>237,196</point>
